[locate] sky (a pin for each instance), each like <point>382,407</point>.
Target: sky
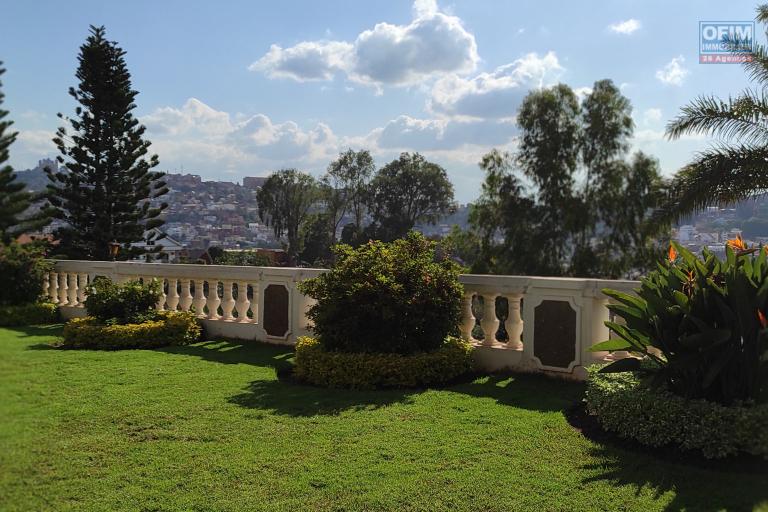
<point>241,88</point>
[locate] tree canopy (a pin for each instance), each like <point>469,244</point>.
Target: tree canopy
<point>15,200</point>
<point>106,190</point>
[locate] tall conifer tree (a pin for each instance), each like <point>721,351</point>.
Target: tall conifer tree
<point>14,198</point>
<point>105,191</point>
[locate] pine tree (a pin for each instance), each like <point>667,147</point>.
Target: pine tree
<point>105,191</point>
<point>14,198</point>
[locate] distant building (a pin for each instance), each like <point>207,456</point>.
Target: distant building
<point>182,181</point>
<point>171,252</point>
<point>254,182</point>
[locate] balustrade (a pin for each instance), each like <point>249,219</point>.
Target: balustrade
<point>550,323</point>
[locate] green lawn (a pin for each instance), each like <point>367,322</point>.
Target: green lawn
<point>209,427</point>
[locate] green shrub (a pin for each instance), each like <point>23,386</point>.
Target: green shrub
<point>702,322</point>
<point>386,298</point>
<point>22,270</point>
<point>246,258</point>
<point>128,303</point>
<point>316,365</point>
<point>170,328</point>
<point>29,314</point>
<point>657,417</point>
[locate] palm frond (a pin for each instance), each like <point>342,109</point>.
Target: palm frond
<point>762,13</point>
<point>721,175</point>
<point>744,117</point>
<point>757,68</point>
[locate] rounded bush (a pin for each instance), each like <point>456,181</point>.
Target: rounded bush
<point>169,328</point>
<point>393,297</point>
<point>29,314</point>
<point>131,302</point>
<point>22,270</point>
<point>316,365</point>
<point>623,405</point>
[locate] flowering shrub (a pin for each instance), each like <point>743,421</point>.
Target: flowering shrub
<point>318,366</point>
<point>169,328</point>
<point>29,314</point>
<point>701,322</point>
<point>393,297</point>
<point>130,302</point>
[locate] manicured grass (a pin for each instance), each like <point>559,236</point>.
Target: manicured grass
<point>210,427</point>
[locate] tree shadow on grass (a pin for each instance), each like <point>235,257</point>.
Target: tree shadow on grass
<point>28,331</point>
<point>237,352</point>
<point>287,397</point>
<point>525,391</point>
<point>704,486</point>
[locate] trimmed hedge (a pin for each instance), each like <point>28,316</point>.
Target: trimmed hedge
<point>318,366</point>
<point>623,405</point>
<point>170,328</point>
<point>29,314</point>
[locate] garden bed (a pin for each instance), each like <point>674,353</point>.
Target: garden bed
<point>29,314</point>
<point>622,405</point>
<point>169,328</point>
<point>316,365</point>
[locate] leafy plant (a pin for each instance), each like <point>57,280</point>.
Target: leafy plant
<point>131,302</point>
<point>700,322</point>
<point>166,328</point>
<point>658,418</point>
<point>22,270</point>
<point>32,313</point>
<point>386,297</point>
<point>318,366</point>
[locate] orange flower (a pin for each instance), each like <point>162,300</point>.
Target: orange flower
<point>763,320</point>
<point>737,244</point>
<point>672,253</point>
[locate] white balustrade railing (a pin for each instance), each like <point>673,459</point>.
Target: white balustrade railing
<point>518,322</point>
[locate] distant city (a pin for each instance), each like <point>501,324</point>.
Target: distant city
<point>203,214</point>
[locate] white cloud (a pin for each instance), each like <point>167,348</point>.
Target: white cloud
<point>307,61</point>
<point>31,146</point>
<point>433,44</point>
<point>196,135</point>
<point>652,116</point>
<point>673,73</point>
<point>410,134</point>
<point>494,95</point>
<point>625,27</point>
<point>193,116</point>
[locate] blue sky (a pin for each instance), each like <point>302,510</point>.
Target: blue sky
<point>240,88</point>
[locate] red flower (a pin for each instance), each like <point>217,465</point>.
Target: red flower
<point>672,253</point>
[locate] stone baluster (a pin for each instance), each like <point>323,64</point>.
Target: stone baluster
<point>243,304</point>
<point>467,318</point>
<point>163,295</point>
<point>228,304</point>
<point>46,285</point>
<point>255,303</point>
<point>72,291</point>
<point>63,290</point>
<point>514,322</point>
<point>172,301</point>
<point>82,285</point>
<point>199,302</point>
<point>489,322</point>
<point>214,301</point>
<point>185,301</point>
<point>53,292</point>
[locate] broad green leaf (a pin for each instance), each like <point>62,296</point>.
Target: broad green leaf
<point>627,364</point>
<point>610,345</point>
